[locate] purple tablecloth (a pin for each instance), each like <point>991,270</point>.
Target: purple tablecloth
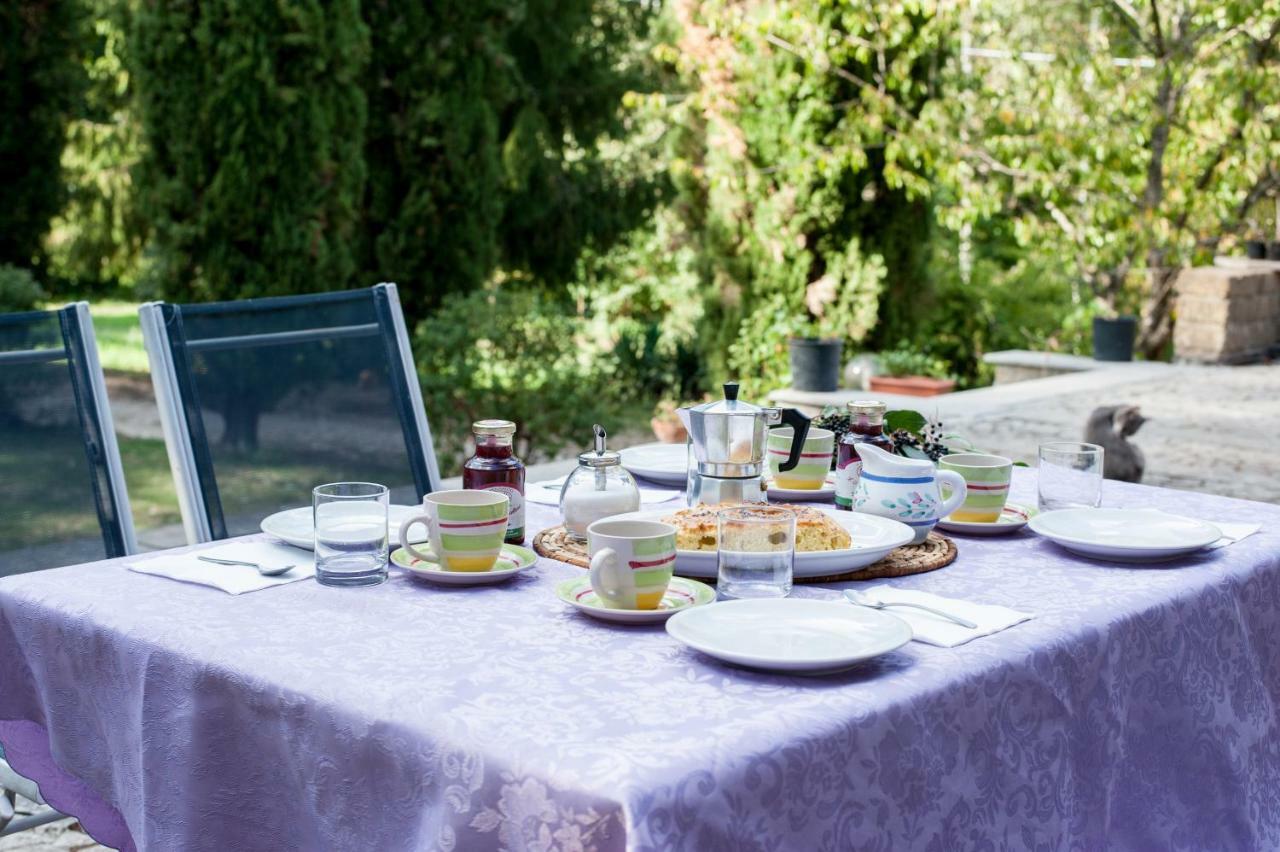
<point>1138,709</point>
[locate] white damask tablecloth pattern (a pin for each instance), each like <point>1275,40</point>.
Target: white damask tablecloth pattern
<point>1137,710</point>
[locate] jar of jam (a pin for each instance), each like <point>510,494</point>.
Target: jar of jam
<point>866,426</point>
<point>496,467</point>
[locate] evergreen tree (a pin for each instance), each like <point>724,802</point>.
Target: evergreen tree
<point>40,81</point>
<point>253,118</point>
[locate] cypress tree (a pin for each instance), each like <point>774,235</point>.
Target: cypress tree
<point>40,81</point>
<point>253,117</point>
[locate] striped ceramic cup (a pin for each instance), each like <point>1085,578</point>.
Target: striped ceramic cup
<point>987,480</point>
<point>815,458</point>
<point>631,562</point>
<point>465,528</point>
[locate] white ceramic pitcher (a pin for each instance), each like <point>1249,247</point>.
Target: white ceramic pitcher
<point>906,490</point>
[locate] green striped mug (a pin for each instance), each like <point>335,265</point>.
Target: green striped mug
<point>466,529</point>
<point>631,562</point>
<point>987,481</point>
<point>815,458</point>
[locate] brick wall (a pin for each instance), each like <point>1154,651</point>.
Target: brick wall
<point>1226,315</point>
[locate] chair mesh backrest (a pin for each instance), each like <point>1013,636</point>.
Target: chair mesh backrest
<point>56,503</point>
<point>280,395</point>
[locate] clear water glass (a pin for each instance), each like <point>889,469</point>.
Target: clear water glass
<point>351,533</point>
<point>757,552</point>
<point>1070,475</point>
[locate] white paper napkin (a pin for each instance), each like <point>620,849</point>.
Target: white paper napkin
<point>233,579</point>
<point>931,629</point>
<point>1231,533</point>
<point>548,493</point>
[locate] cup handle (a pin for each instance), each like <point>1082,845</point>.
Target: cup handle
<point>959,490</point>
<point>430,555</point>
<point>604,566</point>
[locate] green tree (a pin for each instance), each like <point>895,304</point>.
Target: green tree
<point>40,81</point>
<point>493,139</point>
<point>1122,140</point>
<point>253,118</point>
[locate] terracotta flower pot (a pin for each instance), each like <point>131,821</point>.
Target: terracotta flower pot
<point>912,385</point>
<point>669,431</point>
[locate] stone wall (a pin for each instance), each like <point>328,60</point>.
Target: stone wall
<point>1226,316</point>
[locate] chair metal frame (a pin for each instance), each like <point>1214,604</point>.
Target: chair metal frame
<point>185,441</point>
<point>91,402</point>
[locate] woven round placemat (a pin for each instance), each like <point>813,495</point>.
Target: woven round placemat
<point>937,551</point>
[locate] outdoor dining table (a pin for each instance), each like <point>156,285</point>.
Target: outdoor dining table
<point>1136,709</point>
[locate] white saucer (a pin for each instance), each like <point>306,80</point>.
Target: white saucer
<point>1125,535</point>
<point>1012,519</point>
<point>512,561</point>
<point>802,495</point>
<point>873,538</point>
<point>296,527</point>
<point>681,595</point>
<point>790,634</point>
<point>665,463</point>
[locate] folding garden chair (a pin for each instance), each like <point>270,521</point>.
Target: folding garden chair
<point>263,399</point>
<point>62,492</point>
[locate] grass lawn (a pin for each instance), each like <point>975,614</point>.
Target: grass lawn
<point>119,334</point>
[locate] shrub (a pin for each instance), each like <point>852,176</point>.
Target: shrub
<point>517,355</point>
<point>40,81</point>
<point>19,290</point>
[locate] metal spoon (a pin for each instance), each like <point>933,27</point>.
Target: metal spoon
<point>862,600</point>
<point>266,572</point>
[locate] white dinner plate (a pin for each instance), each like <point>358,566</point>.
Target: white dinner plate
<point>801,495</point>
<point>295,526</point>
<point>1012,519</point>
<point>682,594</point>
<point>665,463</point>
<point>873,538</point>
<point>1125,535</point>
<point>789,634</point>
<point>513,559</point>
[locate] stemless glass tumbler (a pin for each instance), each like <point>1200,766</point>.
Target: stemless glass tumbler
<point>351,533</point>
<point>757,550</point>
<point>1070,475</point>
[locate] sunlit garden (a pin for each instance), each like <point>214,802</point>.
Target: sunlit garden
<point>981,296</point>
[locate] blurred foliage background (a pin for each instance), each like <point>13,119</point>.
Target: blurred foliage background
<point>611,203</point>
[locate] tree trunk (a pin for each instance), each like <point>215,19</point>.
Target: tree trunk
<point>1157,322</point>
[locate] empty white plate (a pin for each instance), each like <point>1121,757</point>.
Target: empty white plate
<point>789,634</point>
<point>296,527</point>
<point>873,538</point>
<point>665,463</point>
<point>1125,535</point>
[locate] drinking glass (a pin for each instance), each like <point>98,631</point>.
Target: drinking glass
<point>351,533</point>
<point>757,552</point>
<point>1070,475</point>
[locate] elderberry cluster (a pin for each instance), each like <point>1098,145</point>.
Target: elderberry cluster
<point>930,443</point>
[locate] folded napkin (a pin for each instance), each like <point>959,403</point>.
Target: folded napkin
<point>931,629</point>
<point>1231,533</point>
<point>233,579</point>
<point>548,493</point>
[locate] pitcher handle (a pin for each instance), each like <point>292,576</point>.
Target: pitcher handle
<point>800,426</point>
<point>959,490</point>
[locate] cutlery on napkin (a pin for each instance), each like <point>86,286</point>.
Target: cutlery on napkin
<point>933,630</point>
<point>548,493</point>
<point>232,579</point>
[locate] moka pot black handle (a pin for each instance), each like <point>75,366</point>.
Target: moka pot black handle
<point>800,426</point>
